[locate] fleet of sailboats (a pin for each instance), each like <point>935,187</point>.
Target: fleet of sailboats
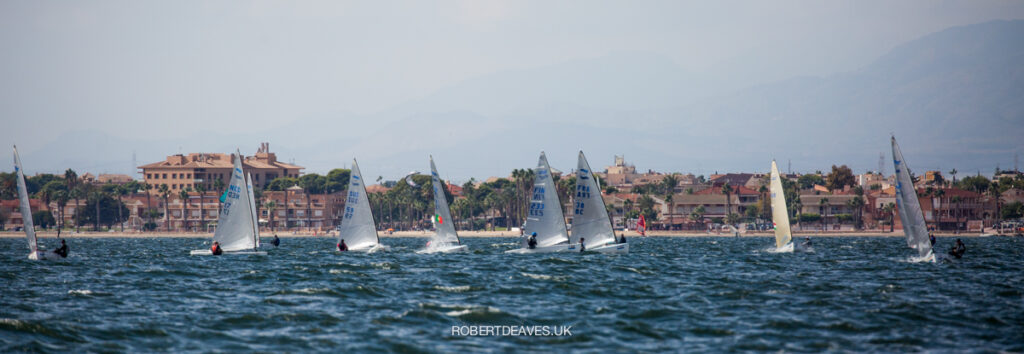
<point>544,230</point>
<point>237,226</point>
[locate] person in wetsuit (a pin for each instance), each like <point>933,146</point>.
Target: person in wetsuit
<point>931,238</point>
<point>532,243</point>
<point>276,242</point>
<point>342,247</point>
<point>958,250</point>
<point>215,249</point>
<point>623,239</point>
<point>62,251</point>
<point>807,241</point>
<point>582,246</point>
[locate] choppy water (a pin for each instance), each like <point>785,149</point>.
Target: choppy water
<point>693,294</point>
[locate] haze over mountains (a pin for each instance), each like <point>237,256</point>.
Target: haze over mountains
<point>954,98</point>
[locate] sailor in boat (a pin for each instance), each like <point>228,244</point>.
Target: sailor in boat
<point>62,251</point>
<point>276,242</point>
<point>958,250</point>
<point>532,243</point>
<point>807,241</point>
<point>931,238</point>
<point>215,249</point>
<point>342,247</point>
<point>582,246</point>
<point>623,239</point>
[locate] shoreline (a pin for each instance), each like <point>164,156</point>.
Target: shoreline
<point>467,234</point>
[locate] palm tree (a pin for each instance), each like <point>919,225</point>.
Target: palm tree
<point>202,211</point>
<point>149,200</point>
<point>71,179</point>
<point>183,194</point>
<point>765,202</point>
<point>857,204</point>
<point>97,195</point>
<point>165,193</point>
<point>668,202</point>
<point>120,191</point>
<point>669,183</point>
<point>823,202</point>
<point>62,198</point>
<point>727,190</point>
<point>799,206</point>
<point>890,209</point>
<point>218,186</point>
<point>994,192</point>
<point>953,173</point>
<point>271,206</point>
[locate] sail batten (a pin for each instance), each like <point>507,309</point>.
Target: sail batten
<point>235,225</point>
<point>357,226</point>
<point>911,216</point>
<point>545,212</point>
<point>443,216</point>
<point>590,218</point>
<point>780,215</point>
<point>24,207</point>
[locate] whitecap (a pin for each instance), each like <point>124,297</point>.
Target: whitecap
<point>453,289</point>
<point>543,276</point>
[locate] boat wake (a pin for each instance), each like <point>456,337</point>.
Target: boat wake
<point>787,248</point>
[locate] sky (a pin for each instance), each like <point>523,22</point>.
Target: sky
<point>200,72</point>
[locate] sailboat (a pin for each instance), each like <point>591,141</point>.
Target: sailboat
<point>26,216</point>
<point>780,215</point>
<point>237,226</point>
<point>909,207</point>
<point>446,240</point>
<point>545,215</point>
<point>590,218</point>
<point>357,228</point>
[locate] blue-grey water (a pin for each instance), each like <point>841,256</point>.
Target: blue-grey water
<point>668,294</point>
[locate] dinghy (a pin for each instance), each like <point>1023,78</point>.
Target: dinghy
<point>357,227</point>
<point>545,215</point>
<point>35,253</point>
<point>909,207</point>
<point>446,240</point>
<point>237,228</point>
<point>780,215</point>
<point>590,218</point>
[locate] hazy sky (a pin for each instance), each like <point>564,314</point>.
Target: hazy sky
<point>172,69</point>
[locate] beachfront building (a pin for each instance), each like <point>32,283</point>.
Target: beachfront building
<point>10,212</point>
<point>293,209</point>
<point>186,172</point>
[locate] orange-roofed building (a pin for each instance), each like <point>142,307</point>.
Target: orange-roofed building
<point>188,171</point>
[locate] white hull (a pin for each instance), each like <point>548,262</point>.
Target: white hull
<point>787,248</point>
<point>444,249</point>
<point>44,256</point>
<point>368,249</point>
<point>608,248</point>
<point>244,252</point>
<point>561,247</point>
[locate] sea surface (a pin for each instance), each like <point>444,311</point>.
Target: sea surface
<point>709,294</point>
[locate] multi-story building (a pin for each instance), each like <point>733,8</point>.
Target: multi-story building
<point>294,209</point>
<point>188,171</point>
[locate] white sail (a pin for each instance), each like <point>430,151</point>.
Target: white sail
<point>357,227</point>
<point>911,216</point>
<point>780,215</point>
<point>252,209</point>
<point>26,209</point>
<point>590,219</point>
<point>442,215</point>
<point>545,213</point>
<point>235,225</point>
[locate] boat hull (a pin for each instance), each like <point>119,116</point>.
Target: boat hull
<point>44,256</point>
<point>368,249</point>
<point>561,247</point>
<point>445,249</point>
<point>244,252</point>
<point>608,248</point>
